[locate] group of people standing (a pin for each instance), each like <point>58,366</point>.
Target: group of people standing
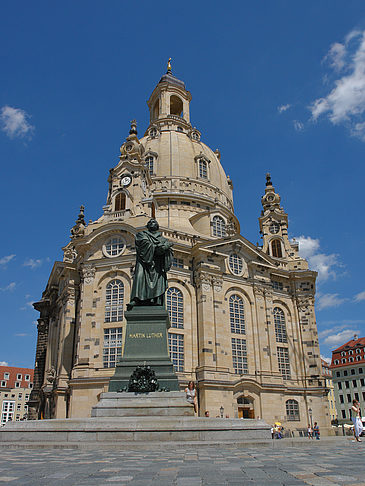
<point>313,432</point>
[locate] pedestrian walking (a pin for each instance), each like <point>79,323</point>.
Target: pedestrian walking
<point>316,431</point>
<point>356,420</point>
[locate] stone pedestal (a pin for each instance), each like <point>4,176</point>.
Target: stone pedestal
<point>145,344</point>
<point>155,404</point>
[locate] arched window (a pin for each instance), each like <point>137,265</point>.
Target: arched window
<point>292,410</point>
<point>237,314</point>
<point>120,202</point>
<point>175,307</point>
<point>203,169</point>
<point>280,327</point>
<point>149,164</point>
<point>114,301</point>
<point>276,249</point>
<point>176,105</point>
<point>218,226</point>
<point>235,264</point>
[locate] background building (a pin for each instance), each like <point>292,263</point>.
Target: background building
<point>242,315</point>
<point>15,388</point>
<point>348,372</point>
<point>327,377</point>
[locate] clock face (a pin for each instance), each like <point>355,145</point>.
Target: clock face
<point>126,180</point>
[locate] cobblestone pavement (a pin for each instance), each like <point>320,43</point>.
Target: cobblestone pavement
<point>328,463</point>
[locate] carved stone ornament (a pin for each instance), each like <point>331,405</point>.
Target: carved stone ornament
<point>217,284</point>
<point>69,255</point>
<point>88,272</point>
<point>304,303</point>
<point>51,375</point>
<point>78,229</point>
<point>42,326</point>
<point>143,380</point>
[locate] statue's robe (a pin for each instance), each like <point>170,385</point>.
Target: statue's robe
<point>154,259</point>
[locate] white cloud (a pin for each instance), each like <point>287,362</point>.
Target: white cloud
<point>283,108</point>
<point>33,263</point>
<point>8,288</point>
<point>28,304</point>
<point>336,56</point>
<point>325,301</point>
<point>6,259</point>
<point>14,122</point>
<point>4,363</point>
<point>299,126</point>
<point>360,296</point>
<point>327,360</point>
<point>21,334</point>
<point>339,338</point>
<point>325,265</point>
<point>345,103</point>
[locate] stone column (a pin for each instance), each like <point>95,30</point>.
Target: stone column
<point>40,360</point>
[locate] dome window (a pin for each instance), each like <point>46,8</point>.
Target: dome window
<point>120,202</point>
<point>176,106</point>
<point>218,226</point>
<point>179,129</point>
<point>195,136</point>
<point>149,164</point>
<point>276,249</point>
<point>153,133</point>
<point>203,169</point>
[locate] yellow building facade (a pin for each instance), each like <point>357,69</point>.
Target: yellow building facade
<point>242,315</point>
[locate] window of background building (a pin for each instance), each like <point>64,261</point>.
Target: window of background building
<point>6,376</point>
<point>7,412</point>
<point>17,384</point>
<point>362,381</point>
<point>237,314</point>
<point>27,377</point>
<point>114,301</point>
<point>357,397</point>
<point>345,373</point>
<point>343,412</point>
<point>27,396</point>
<point>175,307</point>
<point>280,327</point>
<point>176,349</point>
<point>239,356</point>
<point>283,362</point>
<point>3,383</point>
<point>354,383</point>
<point>347,384</point>
<point>112,350</point>
<point>20,396</point>
<point>218,226</point>
<point>18,376</point>
<point>18,406</point>
<point>292,410</point>
<point>360,370</point>
<point>338,373</point>
<point>341,398</point>
<point>363,395</point>
<point>349,398</point>
<point>352,371</point>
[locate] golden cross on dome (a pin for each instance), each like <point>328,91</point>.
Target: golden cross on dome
<point>169,66</point>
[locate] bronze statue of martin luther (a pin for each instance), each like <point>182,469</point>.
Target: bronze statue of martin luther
<point>153,261</point>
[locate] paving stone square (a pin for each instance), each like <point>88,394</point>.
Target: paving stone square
<point>329,463</point>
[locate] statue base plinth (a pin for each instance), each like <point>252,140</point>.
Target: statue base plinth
<point>145,345</point>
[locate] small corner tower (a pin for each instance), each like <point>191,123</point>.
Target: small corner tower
<point>274,228</point>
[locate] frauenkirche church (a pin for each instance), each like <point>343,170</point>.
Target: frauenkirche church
<point>242,316</point>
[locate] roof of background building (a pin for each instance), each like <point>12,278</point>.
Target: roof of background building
<point>13,372</point>
<point>353,343</point>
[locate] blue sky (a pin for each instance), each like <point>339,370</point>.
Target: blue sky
<point>277,86</point>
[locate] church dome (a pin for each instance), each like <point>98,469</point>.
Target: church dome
<point>187,163</point>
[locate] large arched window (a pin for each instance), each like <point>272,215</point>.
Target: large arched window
<point>176,105</point>
<point>237,314</point>
<point>149,164</point>
<point>292,410</point>
<point>218,226</point>
<point>114,301</point>
<point>280,327</point>
<point>175,307</point>
<point>120,202</point>
<point>276,249</point>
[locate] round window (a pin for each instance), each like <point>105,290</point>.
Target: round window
<point>114,246</point>
<point>235,264</point>
<point>153,132</point>
<point>274,228</point>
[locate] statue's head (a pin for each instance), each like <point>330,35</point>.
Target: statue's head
<point>152,225</point>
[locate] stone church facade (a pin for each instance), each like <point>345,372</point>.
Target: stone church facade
<point>242,316</point>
